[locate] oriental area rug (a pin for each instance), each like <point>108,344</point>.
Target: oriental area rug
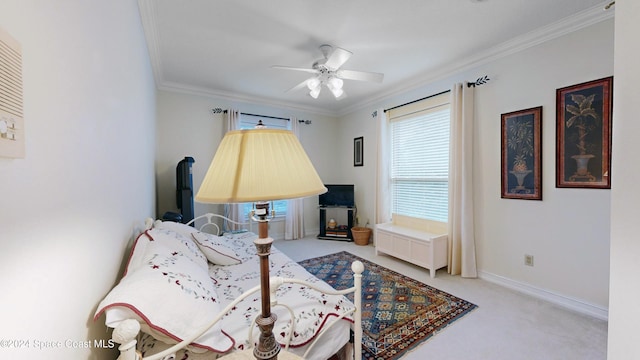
<point>398,312</point>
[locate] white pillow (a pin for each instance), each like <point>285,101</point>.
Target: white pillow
<point>181,228</point>
<point>182,245</point>
<point>170,295</point>
<point>215,250</point>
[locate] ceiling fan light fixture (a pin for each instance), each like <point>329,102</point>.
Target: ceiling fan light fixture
<point>315,92</point>
<point>337,92</point>
<point>327,72</point>
<point>335,83</point>
<point>313,83</point>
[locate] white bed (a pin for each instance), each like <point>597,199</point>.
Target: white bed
<point>180,281</point>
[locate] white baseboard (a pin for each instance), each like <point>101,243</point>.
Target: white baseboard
<point>312,233</point>
<point>554,298</point>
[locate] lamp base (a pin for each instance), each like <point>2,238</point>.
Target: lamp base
<point>248,355</point>
<point>267,348</point>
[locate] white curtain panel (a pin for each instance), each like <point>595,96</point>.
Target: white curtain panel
<point>232,211</point>
<point>383,187</point>
<point>294,222</point>
<point>462,248</point>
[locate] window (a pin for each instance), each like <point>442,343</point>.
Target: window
<point>248,121</point>
<point>420,158</point>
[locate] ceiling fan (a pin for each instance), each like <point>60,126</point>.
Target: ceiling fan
<point>327,72</point>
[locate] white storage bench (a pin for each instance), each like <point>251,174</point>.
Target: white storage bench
<point>420,242</point>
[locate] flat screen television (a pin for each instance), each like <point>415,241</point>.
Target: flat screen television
<point>338,195</point>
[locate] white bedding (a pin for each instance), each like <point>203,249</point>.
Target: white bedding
<point>313,310</point>
<point>176,287</point>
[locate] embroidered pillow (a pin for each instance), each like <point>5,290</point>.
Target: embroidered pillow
<point>169,295</point>
<point>180,244</point>
<point>181,228</point>
<point>216,251</point>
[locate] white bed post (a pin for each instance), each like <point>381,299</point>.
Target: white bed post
<point>358,269</point>
<point>125,334</point>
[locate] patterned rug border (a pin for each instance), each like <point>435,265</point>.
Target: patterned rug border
<point>439,324</point>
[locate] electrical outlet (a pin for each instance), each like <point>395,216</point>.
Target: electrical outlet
<point>528,260</point>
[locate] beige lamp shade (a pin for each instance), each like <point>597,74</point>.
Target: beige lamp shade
<point>259,165</point>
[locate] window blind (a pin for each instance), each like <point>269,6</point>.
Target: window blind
<point>420,159</point>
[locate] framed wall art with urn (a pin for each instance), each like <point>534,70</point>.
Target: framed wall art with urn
<point>521,143</point>
<point>583,135</point>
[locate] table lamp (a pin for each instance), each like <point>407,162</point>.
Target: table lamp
<point>260,165</point>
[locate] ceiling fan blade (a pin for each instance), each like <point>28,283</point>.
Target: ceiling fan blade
<point>360,75</point>
<point>337,58</point>
<point>313,71</point>
<point>299,86</point>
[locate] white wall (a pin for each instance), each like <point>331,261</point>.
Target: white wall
<point>624,313</point>
<point>90,110</point>
<point>567,232</point>
<point>357,125</point>
<point>71,206</point>
<point>188,127</point>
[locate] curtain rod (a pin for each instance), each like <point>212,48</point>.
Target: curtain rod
<point>219,110</point>
<point>264,116</point>
<point>414,101</point>
<point>480,81</point>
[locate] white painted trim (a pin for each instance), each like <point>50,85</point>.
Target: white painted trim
<point>565,26</point>
<point>576,305</point>
<point>148,19</point>
<point>312,233</point>
<point>234,97</point>
<point>538,36</point>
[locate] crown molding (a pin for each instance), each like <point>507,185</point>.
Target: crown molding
<point>552,31</point>
<point>235,97</point>
<point>148,18</point>
<point>555,30</point>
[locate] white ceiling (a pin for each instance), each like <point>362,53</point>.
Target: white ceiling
<point>225,48</point>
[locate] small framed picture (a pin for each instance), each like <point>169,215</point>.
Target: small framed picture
<point>358,144</point>
<point>521,142</point>
<point>583,135</point>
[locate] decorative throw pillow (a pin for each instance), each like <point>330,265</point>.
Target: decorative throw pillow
<point>181,228</point>
<point>216,251</point>
<point>180,244</point>
<point>170,295</point>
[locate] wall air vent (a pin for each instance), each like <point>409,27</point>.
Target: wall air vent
<point>11,116</point>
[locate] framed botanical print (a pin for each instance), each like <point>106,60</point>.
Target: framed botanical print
<point>583,135</point>
<point>521,148</point>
